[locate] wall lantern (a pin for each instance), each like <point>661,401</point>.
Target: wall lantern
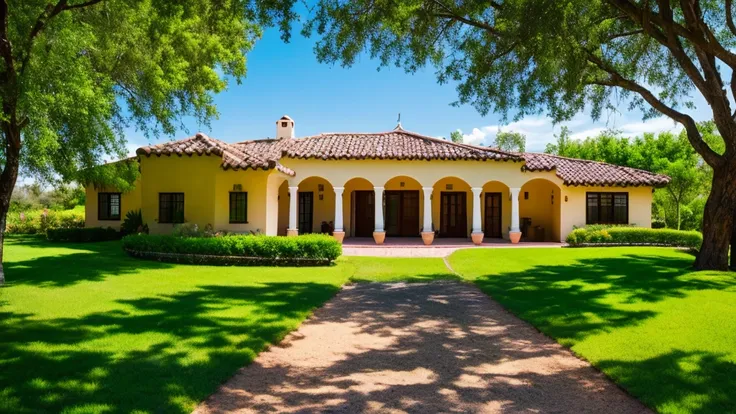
<point>448,186</point>
<point>566,199</point>
<point>402,184</point>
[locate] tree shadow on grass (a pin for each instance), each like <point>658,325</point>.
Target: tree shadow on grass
<point>160,354</point>
<point>697,382</point>
<point>94,262</point>
<point>571,302</point>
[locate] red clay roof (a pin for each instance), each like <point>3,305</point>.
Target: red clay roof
<point>398,145</point>
<point>588,173</point>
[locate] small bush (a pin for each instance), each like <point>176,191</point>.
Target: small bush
<point>90,234</point>
<point>39,221</point>
<point>133,223</point>
<point>186,230</point>
<point>634,236</point>
<point>275,248</point>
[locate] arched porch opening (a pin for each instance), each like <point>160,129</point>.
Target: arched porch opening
<point>358,207</point>
<point>495,204</point>
<point>402,207</point>
<point>315,206</point>
<point>539,211</point>
<point>452,207</point>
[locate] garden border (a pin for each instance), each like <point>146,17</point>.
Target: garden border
<point>215,260</point>
<point>628,245</point>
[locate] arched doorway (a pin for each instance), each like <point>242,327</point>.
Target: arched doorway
<point>539,210</point>
<point>403,203</point>
<point>358,207</point>
<point>496,210</point>
<point>452,207</point>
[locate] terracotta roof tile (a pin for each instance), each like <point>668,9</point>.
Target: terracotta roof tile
<point>398,145</point>
<point>587,173</point>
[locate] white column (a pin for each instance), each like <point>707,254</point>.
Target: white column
<point>476,210</point>
<point>515,209</point>
<point>293,198</point>
<point>427,227</point>
<point>379,209</point>
<point>338,208</point>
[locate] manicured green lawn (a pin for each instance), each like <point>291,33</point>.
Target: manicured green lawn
<point>84,328</point>
<point>663,332</point>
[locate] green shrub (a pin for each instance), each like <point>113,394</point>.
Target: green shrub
<point>133,223</point>
<point>39,221</point>
<point>90,234</point>
<point>634,236</point>
<point>311,246</point>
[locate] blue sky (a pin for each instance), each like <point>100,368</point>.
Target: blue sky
<point>287,79</point>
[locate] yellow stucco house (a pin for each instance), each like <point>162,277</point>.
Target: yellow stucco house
<point>331,182</point>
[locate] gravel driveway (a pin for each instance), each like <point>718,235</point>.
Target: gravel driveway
<point>430,347</point>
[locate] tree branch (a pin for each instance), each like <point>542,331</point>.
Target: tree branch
<point>729,16</point>
<point>624,34</point>
<point>6,48</point>
<point>451,14</point>
<point>617,80</point>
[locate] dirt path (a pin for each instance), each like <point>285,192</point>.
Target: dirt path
<point>435,347</point>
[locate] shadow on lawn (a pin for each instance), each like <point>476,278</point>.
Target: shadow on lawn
<point>94,262</point>
<point>571,302</point>
<point>186,348</point>
<point>591,296</point>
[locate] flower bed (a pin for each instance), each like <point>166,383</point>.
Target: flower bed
<point>306,250</point>
<point>633,236</point>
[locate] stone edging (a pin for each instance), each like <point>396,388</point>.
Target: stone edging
<point>203,259</point>
<point>625,244</point>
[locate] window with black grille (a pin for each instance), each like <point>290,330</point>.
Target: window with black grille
<point>170,207</point>
<point>607,208</point>
<point>108,206</point>
<point>238,207</point>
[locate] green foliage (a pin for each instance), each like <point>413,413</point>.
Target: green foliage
<point>133,223</point>
<point>34,197</point>
<point>456,137</point>
<point>310,246</point>
<point>39,221</point>
<point>634,236</point>
<point>510,141</point>
<point>82,235</point>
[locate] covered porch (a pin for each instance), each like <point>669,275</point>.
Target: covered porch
<point>446,213</point>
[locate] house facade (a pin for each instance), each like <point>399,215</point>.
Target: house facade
<point>390,184</point>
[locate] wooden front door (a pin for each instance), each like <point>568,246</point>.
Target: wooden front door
<point>453,215</point>
<point>306,211</point>
<point>493,215</point>
<point>402,213</point>
<point>364,213</point>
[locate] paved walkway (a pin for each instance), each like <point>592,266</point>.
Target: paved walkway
<point>434,347</point>
<point>414,247</point>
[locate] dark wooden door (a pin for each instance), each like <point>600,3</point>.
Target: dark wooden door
<point>402,213</point>
<point>453,215</point>
<point>364,213</point>
<point>493,215</point>
<point>306,211</point>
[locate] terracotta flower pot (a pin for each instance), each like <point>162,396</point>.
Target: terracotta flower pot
<point>477,238</point>
<point>379,236</point>
<point>292,232</point>
<point>427,237</point>
<point>515,236</point>
<point>339,236</point>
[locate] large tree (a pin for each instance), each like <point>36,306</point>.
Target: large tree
<point>521,57</point>
<point>74,73</point>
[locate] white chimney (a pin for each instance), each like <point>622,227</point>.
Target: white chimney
<point>285,127</point>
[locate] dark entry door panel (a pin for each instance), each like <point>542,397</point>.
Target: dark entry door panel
<point>306,211</point>
<point>453,215</point>
<point>402,213</point>
<point>364,213</point>
<point>493,215</point>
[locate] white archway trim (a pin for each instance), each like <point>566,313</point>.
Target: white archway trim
<point>515,209</point>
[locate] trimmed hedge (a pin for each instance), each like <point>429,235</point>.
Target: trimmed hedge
<point>634,236</point>
<point>235,249</point>
<point>39,221</point>
<point>89,234</point>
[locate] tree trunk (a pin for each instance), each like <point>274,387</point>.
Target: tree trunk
<point>7,183</point>
<point>733,243</point>
<point>718,220</point>
<point>679,220</point>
